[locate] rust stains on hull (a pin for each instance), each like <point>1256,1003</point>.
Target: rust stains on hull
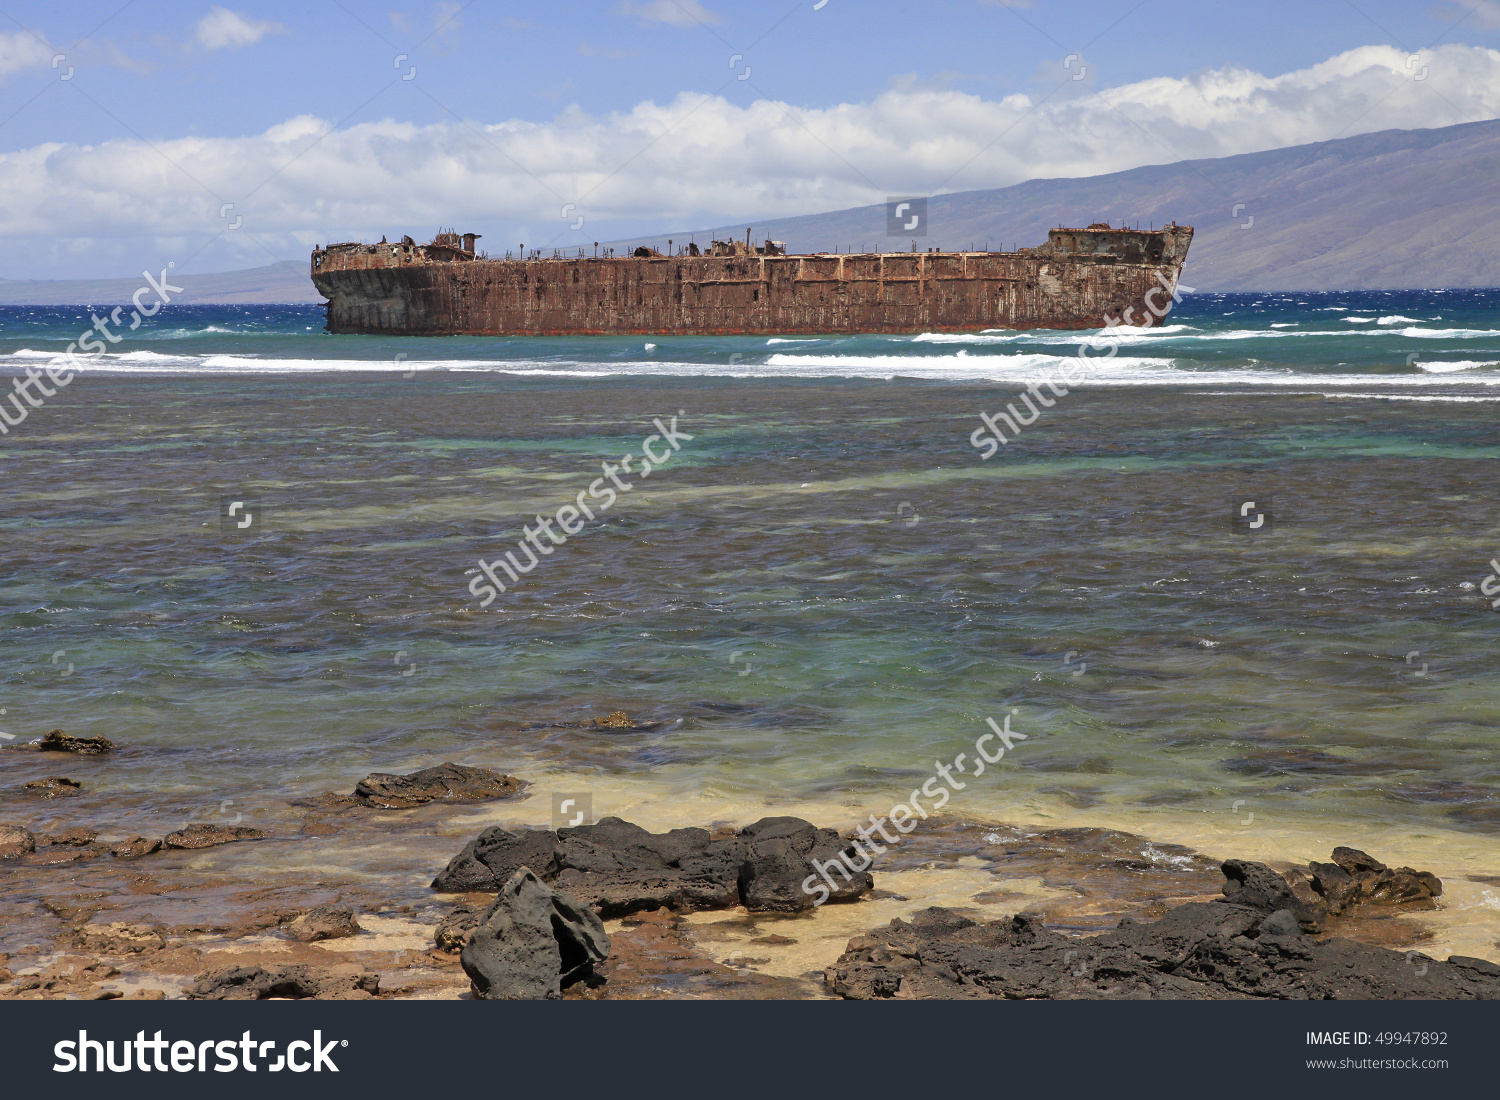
<point>1079,279</point>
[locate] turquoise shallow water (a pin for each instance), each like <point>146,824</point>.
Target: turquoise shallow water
<point>823,594</point>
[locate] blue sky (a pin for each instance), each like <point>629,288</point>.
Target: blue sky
<point>124,150</point>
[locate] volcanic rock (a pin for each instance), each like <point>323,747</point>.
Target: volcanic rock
<point>457,928</point>
<point>255,983</point>
<point>1379,883</point>
<point>444,783</point>
<point>1327,890</point>
<point>58,741</point>
<point>53,786</point>
<point>1251,943</point>
<point>207,836</point>
<point>1198,951</point>
<point>615,720</point>
<point>619,720</point>
<point>16,842</point>
<point>325,922</point>
<point>532,942</point>
<point>55,855</point>
<point>1354,861</point>
<point>494,856</point>
<point>1256,886</point>
<point>73,845</point>
<point>134,848</point>
<point>779,853</point>
<point>619,868</point>
<point>74,836</point>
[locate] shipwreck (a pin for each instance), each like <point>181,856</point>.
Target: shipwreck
<point>1078,279</point>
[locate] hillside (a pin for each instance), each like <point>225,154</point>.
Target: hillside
<point>1394,209</point>
<point>286,281</point>
<point>1397,209</point>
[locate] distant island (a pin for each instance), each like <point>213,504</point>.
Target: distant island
<point>1393,210</point>
<point>283,283</point>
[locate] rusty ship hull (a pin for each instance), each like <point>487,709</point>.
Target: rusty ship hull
<point>1079,279</point>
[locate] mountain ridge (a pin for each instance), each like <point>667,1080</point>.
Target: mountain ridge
<point>1390,210</point>
<point>1315,221</point>
<point>285,282</point>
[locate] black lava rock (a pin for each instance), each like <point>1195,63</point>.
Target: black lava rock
<point>532,942</point>
<point>619,868</point>
<point>1252,943</point>
<point>491,858</point>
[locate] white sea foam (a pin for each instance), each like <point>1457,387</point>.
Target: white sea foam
<point>1409,397</point>
<point>184,333</point>
<point>1143,330</point>
<point>1253,334</point>
<point>147,357</point>
<point>149,362</point>
<point>1360,320</point>
<point>1128,334</point>
<point>1456,365</point>
<point>1121,370</point>
<point>1275,332</point>
<point>956,366</point>
<point>1346,334</point>
<point>1123,333</point>
<point>961,338</point>
<point>1448,333</point>
<point>1397,319</point>
<point>1256,334</point>
<point>1018,368</point>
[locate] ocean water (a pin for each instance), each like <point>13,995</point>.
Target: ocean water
<point>822,595</point>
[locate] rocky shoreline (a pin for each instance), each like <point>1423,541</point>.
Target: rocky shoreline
<point>613,911</point>
<point>1255,942</point>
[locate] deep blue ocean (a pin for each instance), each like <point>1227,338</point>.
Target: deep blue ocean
<point>1402,338</point>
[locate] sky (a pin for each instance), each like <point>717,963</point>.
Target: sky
<point>218,137</point>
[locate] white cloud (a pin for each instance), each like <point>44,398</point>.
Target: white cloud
<point>21,50</point>
<point>700,156</point>
<point>679,13</point>
<point>222,28</point>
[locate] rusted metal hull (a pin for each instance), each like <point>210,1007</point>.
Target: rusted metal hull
<point>1079,279</point>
